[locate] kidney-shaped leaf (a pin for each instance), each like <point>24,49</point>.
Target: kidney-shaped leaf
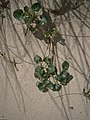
<point>37,59</point>
<point>36,7</point>
<point>65,65</point>
<point>18,14</point>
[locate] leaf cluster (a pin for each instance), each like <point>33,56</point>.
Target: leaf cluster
<point>37,21</point>
<point>31,17</point>
<point>45,69</point>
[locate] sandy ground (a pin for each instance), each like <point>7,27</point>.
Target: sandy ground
<point>20,99</point>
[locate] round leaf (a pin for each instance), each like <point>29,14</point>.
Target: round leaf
<point>65,65</point>
<point>47,60</point>
<point>18,14</point>
<point>36,7</point>
<point>37,59</point>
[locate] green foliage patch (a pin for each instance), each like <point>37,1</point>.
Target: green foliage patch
<point>31,16</point>
<point>45,70</point>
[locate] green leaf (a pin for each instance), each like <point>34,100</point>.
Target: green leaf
<point>65,78</point>
<point>38,68</point>
<point>47,60</point>
<point>36,7</point>
<point>39,72</point>
<point>37,75</point>
<point>64,83</point>
<point>51,69</point>
<point>65,65</point>
<point>50,86</point>
<point>43,20</point>
<point>69,78</point>
<point>37,59</point>
<point>18,14</point>
<point>63,75</point>
<point>41,87</point>
<point>57,87</point>
<point>46,82</point>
